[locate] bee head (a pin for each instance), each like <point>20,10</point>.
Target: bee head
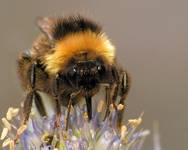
<point>85,73</point>
<point>80,50</point>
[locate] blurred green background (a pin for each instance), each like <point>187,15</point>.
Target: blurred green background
<point>151,37</point>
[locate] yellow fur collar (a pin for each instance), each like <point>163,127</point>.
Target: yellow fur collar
<point>75,43</point>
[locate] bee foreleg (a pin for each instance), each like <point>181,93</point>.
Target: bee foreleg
<point>55,91</point>
<point>107,99</point>
<point>58,113</point>
<point>111,96</point>
<point>112,91</point>
<point>72,97</point>
<point>89,106</point>
<point>124,89</point>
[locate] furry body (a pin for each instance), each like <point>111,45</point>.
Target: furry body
<point>71,60</point>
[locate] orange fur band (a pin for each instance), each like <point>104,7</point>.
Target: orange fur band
<point>75,43</point>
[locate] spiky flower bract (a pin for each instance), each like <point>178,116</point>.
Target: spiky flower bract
<point>41,133</point>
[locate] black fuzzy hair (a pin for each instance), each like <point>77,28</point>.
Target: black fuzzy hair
<point>73,24</point>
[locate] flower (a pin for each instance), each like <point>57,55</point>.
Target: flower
<point>41,133</point>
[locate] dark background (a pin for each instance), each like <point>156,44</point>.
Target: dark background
<point>151,37</point>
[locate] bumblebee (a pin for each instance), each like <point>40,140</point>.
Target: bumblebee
<point>71,59</point>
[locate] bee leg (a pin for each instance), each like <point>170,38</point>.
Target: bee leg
<point>33,92</point>
<point>72,97</point>
<point>58,103</point>
<point>107,89</point>
<point>89,106</point>
<point>111,95</point>
<point>27,107</point>
<point>68,113</point>
<point>112,91</point>
<point>124,89</point>
<point>58,113</point>
<point>26,112</point>
<point>32,95</point>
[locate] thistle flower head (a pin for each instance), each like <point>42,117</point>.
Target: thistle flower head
<point>41,133</point>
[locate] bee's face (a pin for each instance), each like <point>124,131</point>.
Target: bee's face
<point>85,74</point>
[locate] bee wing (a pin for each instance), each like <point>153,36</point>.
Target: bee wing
<point>46,25</point>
